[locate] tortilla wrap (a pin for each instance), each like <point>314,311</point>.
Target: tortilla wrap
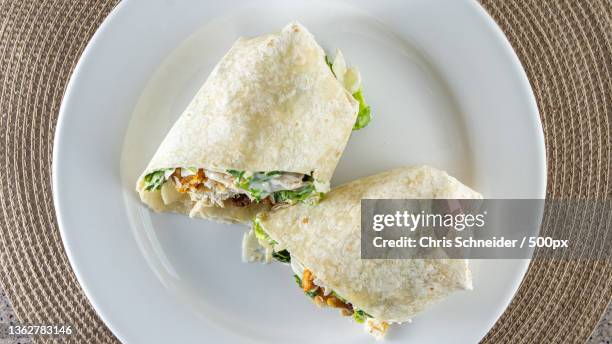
<point>271,104</point>
<point>325,239</point>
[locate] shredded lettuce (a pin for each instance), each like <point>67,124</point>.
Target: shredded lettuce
<point>246,181</point>
<point>293,196</point>
<point>243,180</point>
<point>364,117</point>
<point>298,280</point>
<point>360,316</point>
<point>312,292</point>
<point>329,64</point>
<point>258,177</point>
<point>255,193</point>
<point>261,234</point>
<point>282,256</point>
<point>155,179</point>
<point>236,174</point>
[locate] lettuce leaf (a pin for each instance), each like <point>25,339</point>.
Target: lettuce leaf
<point>329,64</point>
<point>246,181</point>
<point>360,316</point>
<point>293,196</point>
<point>155,179</point>
<point>364,116</point>
<point>298,280</point>
<point>236,174</point>
<point>282,256</point>
<point>261,234</point>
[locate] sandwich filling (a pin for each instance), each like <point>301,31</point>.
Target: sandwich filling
<point>257,245</point>
<point>233,188</point>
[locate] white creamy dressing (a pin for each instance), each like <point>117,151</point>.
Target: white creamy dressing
<point>282,181</point>
<point>223,178</point>
<point>189,171</point>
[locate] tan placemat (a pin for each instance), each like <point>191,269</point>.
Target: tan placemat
<point>565,47</point>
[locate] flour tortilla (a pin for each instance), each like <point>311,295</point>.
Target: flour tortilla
<point>326,240</point>
<point>271,104</point>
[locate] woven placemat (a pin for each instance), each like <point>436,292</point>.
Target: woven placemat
<point>565,47</point>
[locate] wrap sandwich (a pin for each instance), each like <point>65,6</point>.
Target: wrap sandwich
<point>266,129</point>
<point>322,245</point>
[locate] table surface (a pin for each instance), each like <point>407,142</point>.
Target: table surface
<point>601,335</point>
<point>8,316</point>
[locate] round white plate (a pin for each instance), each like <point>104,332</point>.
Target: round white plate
<point>445,87</point>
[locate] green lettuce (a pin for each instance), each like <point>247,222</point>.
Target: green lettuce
<point>329,64</point>
<point>360,316</point>
<point>282,256</point>
<point>236,174</point>
<point>293,196</point>
<point>298,280</point>
<point>364,116</point>
<point>243,181</point>
<point>246,181</point>
<point>261,234</point>
<point>155,179</point>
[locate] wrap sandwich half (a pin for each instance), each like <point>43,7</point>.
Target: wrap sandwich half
<point>267,128</point>
<point>322,245</point>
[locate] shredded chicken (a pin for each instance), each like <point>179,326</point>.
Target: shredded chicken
<point>321,298</point>
<point>189,183</point>
<point>207,188</point>
<point>222,178</point>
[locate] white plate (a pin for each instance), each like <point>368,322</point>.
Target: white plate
<point>445,87</point>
